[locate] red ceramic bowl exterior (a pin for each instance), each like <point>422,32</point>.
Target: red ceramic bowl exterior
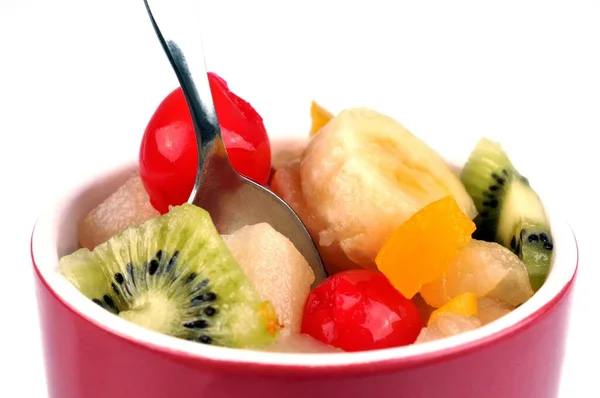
<point>85,361</point>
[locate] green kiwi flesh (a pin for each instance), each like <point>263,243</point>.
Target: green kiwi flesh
<point>174,274</point>
<point>510,211</point>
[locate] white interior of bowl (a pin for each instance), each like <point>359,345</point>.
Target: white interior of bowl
<point>55,236</point>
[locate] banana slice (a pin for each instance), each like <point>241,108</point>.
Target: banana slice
<point>364,174</point>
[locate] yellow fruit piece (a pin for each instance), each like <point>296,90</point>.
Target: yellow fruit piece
<point>465,305</point>
<point>420,250</point>
<point>320,117</point>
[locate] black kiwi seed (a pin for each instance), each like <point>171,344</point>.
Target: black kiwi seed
<point>544,237</point>
<point>498,179</point>
<point>119,278</point>
<point>98,302</point>
<point>204,298</point>
<point>533,238</point>
<point>153,267</point>
<point>210,311</point>
<point>548,246</point>
<point>210,296</point>
<point>494,188</point>
<point>198,324</point>
<point>191,277</point>
<point>110,303</point>
<point>108,300</point>
<point>205,339</point>
<point>513,243</point>
<point>159,254</point>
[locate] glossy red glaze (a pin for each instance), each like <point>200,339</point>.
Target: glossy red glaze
<point>85,361</point>
<point>168,156</point>
<point>359,310</point>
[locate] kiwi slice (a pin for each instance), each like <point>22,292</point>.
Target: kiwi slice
<point>510,211</point>
<point>174,274</point>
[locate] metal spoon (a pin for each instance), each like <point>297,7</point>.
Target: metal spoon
<point>232,200</point>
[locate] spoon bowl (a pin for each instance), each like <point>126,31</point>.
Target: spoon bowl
<point>232,200</point>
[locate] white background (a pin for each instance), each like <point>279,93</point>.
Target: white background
<point>80,79</point>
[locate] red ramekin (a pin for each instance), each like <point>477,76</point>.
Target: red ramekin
<point>90,353</point>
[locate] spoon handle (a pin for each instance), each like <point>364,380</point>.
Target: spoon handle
<point>180,37</point>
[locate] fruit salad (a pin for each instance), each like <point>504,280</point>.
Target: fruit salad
<point>415,250</point>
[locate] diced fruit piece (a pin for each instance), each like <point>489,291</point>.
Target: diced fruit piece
<point>286,151</point>
<point>174,274</point>
<point>360,310</point>
<point>319,116</point>
<point>510,211</point>
<point>446,325</point>
<point>420,250</point>
<point>484,268</point>
<point>364,175</point>
<point>169,152</point>
<point>127,206</point>
<point>490,309</point>
<point>276,268</point>
<point>465,305</point>
<point>286,184</point>
<point>301,344</point>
